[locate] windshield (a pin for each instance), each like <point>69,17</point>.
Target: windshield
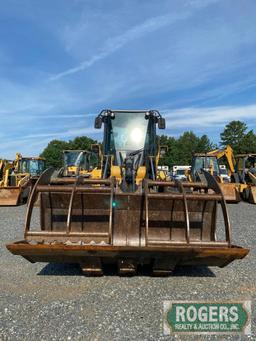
<point>129,132</point>
<point>34,167</point>
<point>74,158</point>
<point>223,171</point>
<point>180,172</point>
<point>206,163</point>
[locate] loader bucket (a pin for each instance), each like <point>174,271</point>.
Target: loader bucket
<point>252,195</point>
<point>10,196</point>
<point>92,222</point>
<point>230,192</point>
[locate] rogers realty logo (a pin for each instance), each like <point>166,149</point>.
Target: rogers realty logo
<point>207,317</point>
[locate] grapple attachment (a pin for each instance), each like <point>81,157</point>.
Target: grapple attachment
<point>92,222</point>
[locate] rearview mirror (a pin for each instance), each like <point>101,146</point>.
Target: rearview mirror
<point>161,123</point>
<point>97,122</point>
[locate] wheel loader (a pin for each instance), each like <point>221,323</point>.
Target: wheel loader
<point>18,177</point>
<point>129,217</point>
<point>82,162</point>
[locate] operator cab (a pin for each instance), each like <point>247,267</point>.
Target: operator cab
<point>204,162</point>
<point>130,141</point>
<point>33,166</point>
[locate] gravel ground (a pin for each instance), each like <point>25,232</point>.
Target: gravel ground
<point>55,302</point>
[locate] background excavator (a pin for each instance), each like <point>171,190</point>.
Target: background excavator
<point>18,177</point>
<point>129,217</point>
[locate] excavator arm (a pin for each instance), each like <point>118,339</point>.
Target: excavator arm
<point>228,154</point>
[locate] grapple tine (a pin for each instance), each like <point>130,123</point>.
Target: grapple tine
<point>181,189</point>
<point>212,183</point>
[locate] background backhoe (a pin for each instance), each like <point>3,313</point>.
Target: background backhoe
<point>242,171</point>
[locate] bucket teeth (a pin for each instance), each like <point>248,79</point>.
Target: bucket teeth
<point>127,267</point>
<point>163,267</point>
<point>91,266</point>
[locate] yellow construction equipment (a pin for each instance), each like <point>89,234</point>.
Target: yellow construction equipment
<point>129,217</point>
<point>82,162</point>
<point>246,174</point>
<point>18,177</point>
<point>204,162</point>
<point>231,190</point>
<point>242,170</point>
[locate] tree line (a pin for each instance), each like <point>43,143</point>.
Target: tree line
<point>180,150</point>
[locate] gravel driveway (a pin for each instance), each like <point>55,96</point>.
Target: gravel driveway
<point>55,302</point>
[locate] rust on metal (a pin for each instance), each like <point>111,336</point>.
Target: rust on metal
<point>93,223</point>
<point>10,196</point>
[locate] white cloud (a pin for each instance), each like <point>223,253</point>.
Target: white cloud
<point>148,26</point>
<point>33,144</point>
<point>211,117</point>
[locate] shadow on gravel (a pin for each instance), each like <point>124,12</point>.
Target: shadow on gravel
<point>193,271</point>
<point>52,269</point>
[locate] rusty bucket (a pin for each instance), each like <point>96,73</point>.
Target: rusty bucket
<point>10,196</point>
<point>92,223</point>
<point>230,192</point>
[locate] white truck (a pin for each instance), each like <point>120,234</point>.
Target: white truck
<point>224,173</point>
<point>179,172</point>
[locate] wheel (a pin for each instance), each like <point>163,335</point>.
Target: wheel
<point>246,194</point>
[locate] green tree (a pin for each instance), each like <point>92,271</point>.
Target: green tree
<point>81,142</point>
<point>170,143</point>
<point>233,135</point>
<point>180,150</point>
<point>53,153</point>
<point>186,145</point>
<point>205,145</point>
<point>248,143</point>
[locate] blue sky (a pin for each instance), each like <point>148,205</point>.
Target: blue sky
<point>63,61</point>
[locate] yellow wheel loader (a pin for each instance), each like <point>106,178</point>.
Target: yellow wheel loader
<point>18,177</point>
<point>82,162</point>
<point>128,217</point>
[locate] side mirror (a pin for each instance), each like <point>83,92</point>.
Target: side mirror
<point>98,122</point>
<point>161,123</point>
